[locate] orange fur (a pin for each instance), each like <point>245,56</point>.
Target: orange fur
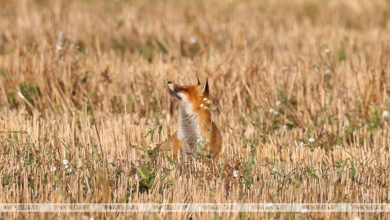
<point>176,144</point>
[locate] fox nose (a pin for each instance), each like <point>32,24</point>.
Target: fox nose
<point>170,86</point>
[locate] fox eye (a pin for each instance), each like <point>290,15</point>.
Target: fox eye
<point>181,89</point>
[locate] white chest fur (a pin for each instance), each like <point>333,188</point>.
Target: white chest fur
<point>188,130</point>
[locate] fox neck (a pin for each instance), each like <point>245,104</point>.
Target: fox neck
<point>190,126</point>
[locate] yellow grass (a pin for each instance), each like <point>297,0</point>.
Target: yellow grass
<point>326,63</point>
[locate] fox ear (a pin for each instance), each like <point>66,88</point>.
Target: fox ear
<point>198,79</point>
<point>206,87</point>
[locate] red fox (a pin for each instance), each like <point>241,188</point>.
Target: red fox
<point>195,126</point>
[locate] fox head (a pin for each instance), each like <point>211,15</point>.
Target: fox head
<point>192,99</point>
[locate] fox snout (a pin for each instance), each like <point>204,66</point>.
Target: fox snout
<point>173,91</point>
<point>170,85</point>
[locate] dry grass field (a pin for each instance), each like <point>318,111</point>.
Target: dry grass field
<point>300,92</point>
